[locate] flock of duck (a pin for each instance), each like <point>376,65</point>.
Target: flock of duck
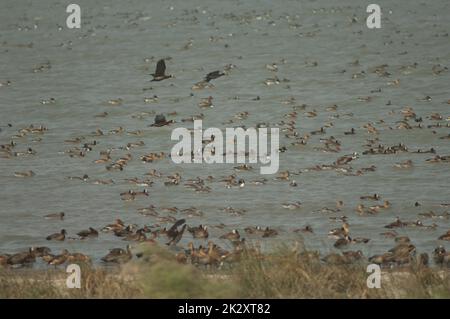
<point>172,226</point>
<point>212,254</point>
<point>403,254</point>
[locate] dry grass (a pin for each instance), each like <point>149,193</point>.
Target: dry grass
<point>290,274</point>
<point>96,283</point>
<point>282,274</point>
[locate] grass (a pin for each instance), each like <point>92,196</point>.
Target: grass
<point>284,273</point>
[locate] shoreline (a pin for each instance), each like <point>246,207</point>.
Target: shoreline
<point>282,274</point>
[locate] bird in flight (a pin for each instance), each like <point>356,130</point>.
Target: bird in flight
<point>174,234</point>
<point>160,74</point>
<point>213,75</point>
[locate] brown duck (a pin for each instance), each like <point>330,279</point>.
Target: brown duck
<point>58,236</point>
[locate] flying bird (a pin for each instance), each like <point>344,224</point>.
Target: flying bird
<point>174,234</point>
<point>160,120</point>
<point>213,75</point>
<point>160,74</point>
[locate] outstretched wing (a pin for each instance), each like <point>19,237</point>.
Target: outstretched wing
<point>213,75</point>
<point>172,231</point>
<point>160,68</point>
<point>177,237</point>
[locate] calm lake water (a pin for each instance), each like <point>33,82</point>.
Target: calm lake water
<point>315,45</point>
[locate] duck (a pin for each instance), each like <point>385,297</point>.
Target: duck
<point>143,193</point>
<point>83,178</point>
<point>343,241</point>
<point>360,240</point>
<point>78,257</point>
<point>235,183</point>
<point>193,212</point>
<point>88,233</point>
<point>193,252</point>
<point>371,197</point>
<point>4,260</point>
<point>436,116</point>
<point>152,99</point>
<point>233,235</point>
<point>160,70</point>
<point>207,102</point>
<point>118,255</point>
<point>118,101</point>
<point>40,251</point>
<point>26,257</point>
<point>49,101</point>
<point>397,223</point>
<point>58,236</point>
<point>181,257</point>
<point>383,259</point>
<point>318,132</point>
<point>59,216</point>
<point>240,245</point>
<point>216,252</point>
<point>268,232</point>
<point>342,218</point>
<point>24,174</point>
<point>311,114</point>
<point>118,224</point>
<point>438,159</point>
<point>125,231</point>
<point>441,257</point>
<point>136,181</point>
<point>213,75</point>
<point>376,208</point>
<point>353,256</point>
<point>212,256</point>
<point>5,83</point>
<point>160,120</point>
<point>151,157</point>
<point>272,81</point>
<point>403,254</point>
<point>202,85</point>
<point>148,211</point>
<point>171,210</point>
<point>430,151</point>
<point>404,164</point>
<point>199,232</point>
<point>306,229</point>
<point>351,132</point>
<point>340,232</point>
<point>283,176</point>
<point>446,236</point>
<point>59,259</point>
<point>295,205</point>
<point>272,67</point>
<point>201,256</point>
<point>138,236</point>
<point>102,115</point>
<point>128,196</point>
<point>174,234</point>
<point>254,230</point>
<point>154,173</point>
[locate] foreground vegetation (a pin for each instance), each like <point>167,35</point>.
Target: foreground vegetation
<point>282,274</point>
